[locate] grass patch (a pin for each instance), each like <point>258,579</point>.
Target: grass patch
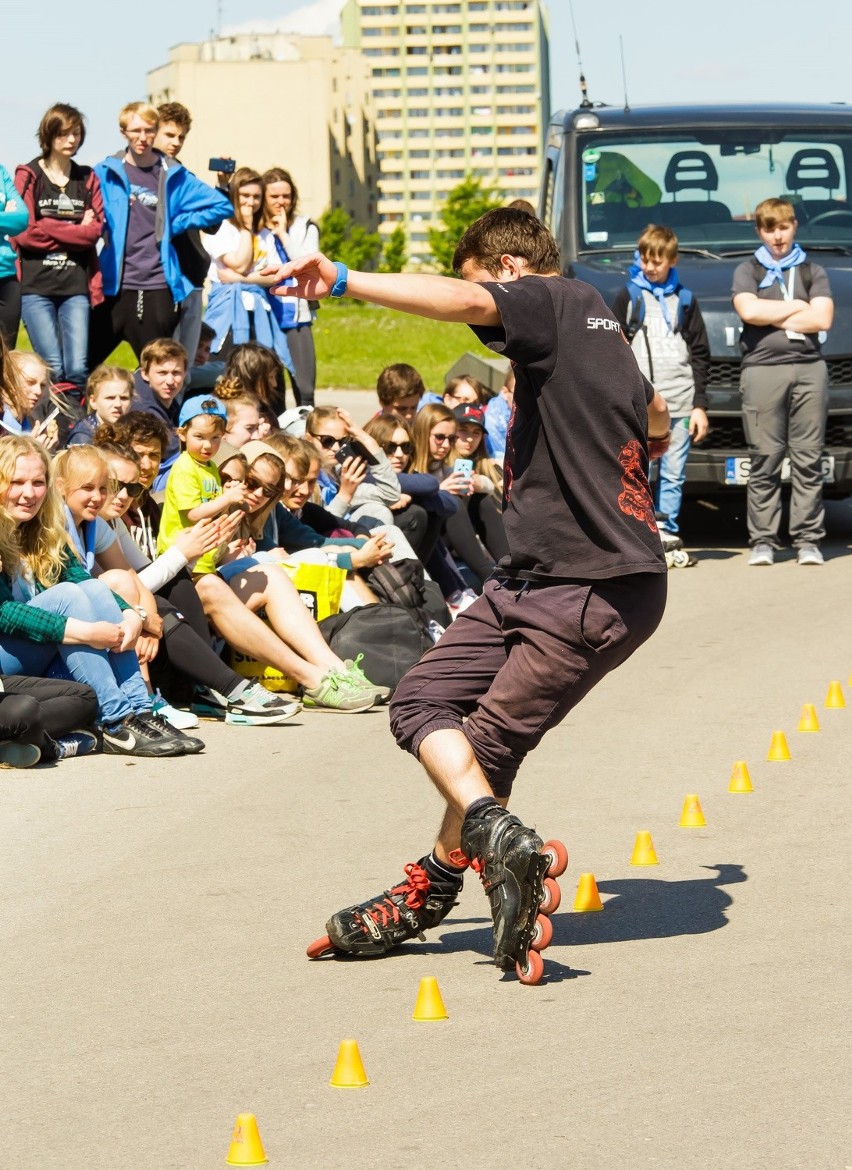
<point>354,342</point>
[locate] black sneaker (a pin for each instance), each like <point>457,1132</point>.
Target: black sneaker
<point>375,927</point>
<point>190,744</point>
<point>75,743</point>
<point>136,737</point>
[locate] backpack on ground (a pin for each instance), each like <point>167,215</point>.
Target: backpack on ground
<point>404,583</point>
<point>391,638</point>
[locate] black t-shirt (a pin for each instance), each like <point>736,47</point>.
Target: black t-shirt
<point>61,272</point>
<point>577,505</point>
<point>767,345</point>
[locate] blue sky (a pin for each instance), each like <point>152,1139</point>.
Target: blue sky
<point>96,55</point>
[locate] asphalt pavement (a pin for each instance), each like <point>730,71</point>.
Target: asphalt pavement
<point>155,918</point>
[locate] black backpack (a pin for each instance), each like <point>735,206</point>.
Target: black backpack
<point>404,583</point>
<point>391,637</point>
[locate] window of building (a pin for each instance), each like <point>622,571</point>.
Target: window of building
<point>516,89</point>
<point>478,48</point>
<point>417,30</point>
<point>418,133</point>
<point>389,113</point>
<point>418,93</point>
<point>417,50</point>
<point>512,48</point>
<point>478,89</point>
<point>419,153</point>
<point>513,68</point>
<point>519,27</point>
<point>414,112</point>
<point>478,28</point>
<point>443,30</point>
<point>482,111</point>
<point>448,111</point>
<point>480,130</point>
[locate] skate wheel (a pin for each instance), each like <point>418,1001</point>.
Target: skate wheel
<point>558,855</point>
<point>533,971</point>
<point>551,897</point>
<point>319,947</point>
<point>542,933</point>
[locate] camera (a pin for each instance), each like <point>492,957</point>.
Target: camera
<point>223,166</point>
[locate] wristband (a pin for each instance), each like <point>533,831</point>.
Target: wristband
<point>339,286</point>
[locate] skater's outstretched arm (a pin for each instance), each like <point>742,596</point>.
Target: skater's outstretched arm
<point>441,298</point>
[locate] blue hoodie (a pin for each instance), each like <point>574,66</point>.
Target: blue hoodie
<point>185,202</point>
<point>14,217</point>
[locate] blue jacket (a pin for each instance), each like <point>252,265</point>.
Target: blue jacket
<point>185,202</point>
<point>14,217</point>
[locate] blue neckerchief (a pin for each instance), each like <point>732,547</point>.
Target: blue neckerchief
<point>658,291</point>
<point>85,543</point>
<point>775,269</point>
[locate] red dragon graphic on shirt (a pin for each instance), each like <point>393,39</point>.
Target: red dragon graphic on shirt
<point>635,500</point>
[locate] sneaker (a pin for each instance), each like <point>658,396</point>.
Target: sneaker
<point>338,692</point>
<point>354,669</point>
<point>19,755</point>
<point>135,736</point>
<point>762,554</point>
<point>401,913</point>
<point>809,554</point>
<point>210,704</point>
<point>180,720</point>
<point>255,706</point>
<point>459,601</point>
<point>189,743</point>
<point>76,743</point>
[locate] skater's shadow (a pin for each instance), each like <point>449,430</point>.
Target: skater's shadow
<point>643,907</point>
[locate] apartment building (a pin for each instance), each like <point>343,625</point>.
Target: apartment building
<point>280,98</point>
<point>458,87</point>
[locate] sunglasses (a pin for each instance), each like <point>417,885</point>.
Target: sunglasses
<point>133,489</point>
<point>328,442</point>
<point>438,438</point>
<point>253,484</point>
<point>392,448</point>
<point>231,479</point>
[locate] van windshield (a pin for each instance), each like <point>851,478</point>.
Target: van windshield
<point>706,186</point>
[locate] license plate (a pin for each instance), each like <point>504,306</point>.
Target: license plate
<point>737,468</point>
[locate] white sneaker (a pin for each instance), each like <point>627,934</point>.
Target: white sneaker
<point>809,554</point>
<point>180,720</point>
<point>762,554</point>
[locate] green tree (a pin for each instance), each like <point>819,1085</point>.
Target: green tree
<point>395,253</point>
<point>343,240</point>
<point>466,202</point>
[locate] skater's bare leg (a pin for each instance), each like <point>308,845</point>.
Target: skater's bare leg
<point>454,770</point>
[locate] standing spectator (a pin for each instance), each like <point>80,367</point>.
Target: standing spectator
<point>149,199</point>
<point>13,219</point>
<point>175,124</point>
<point>60,278</point>
<point>295,235</point>
<point>785,303</point>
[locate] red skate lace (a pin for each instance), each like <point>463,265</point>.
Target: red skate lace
<point>415,891</point>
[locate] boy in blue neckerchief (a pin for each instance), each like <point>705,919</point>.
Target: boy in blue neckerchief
<point>666,331</point>
<point>785,303</point>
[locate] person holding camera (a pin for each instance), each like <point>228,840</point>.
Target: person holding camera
<point>149,199</point>
<point>356,480</point>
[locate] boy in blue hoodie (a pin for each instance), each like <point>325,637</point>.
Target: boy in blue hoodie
<point>14,217</point>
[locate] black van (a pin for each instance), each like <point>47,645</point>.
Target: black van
<point>702,170</point>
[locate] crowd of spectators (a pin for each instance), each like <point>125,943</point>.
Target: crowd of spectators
<point>151,522</point>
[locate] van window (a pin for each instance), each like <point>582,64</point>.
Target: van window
<point>706,187</point>
<point>554,195</point>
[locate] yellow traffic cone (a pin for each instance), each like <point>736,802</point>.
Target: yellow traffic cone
<point>643,851</point>
<point>349,1070</point>
<point>588,897</point>
<point>740,779</point>
<point>246,1148</point>
<point>834,698</point>
<point>778,749</point>
<point>429,1005</point>
<point>808,721</point>
<point>692,816</point>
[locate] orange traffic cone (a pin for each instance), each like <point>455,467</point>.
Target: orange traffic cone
<point>643,850</point>
<point>778,749</point>
<point>835,698</point>
<point>692,816</point>
<point>740,779</point>
<point>246,1148</point>
<point>430,1004</point>
<point>349,1070</point>
<point>588,897</point>
<point>808,721</point>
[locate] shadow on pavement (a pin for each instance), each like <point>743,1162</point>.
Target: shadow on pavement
<point>643,907</point>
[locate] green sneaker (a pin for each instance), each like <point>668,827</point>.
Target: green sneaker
<point>338,691</point>
<point>353,669</point>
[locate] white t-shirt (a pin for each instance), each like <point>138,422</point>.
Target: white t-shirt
<point>226,239</point>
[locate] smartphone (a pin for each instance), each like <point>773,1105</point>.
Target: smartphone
<point>223,166</point>
<point>463,467</point>
<point>50,417</point>
<point>353,449</point>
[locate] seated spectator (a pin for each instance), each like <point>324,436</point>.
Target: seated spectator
<point>244,420</point>
<point>254,369</point>
<point>57,412</point>
<point>204,373</point>
<point>60,276</point>
<point>50,607</point>
<point>43,720</point>
<point>109,394</point>
<point>238,307</point>
<point>194,492</point>
<point>159,383</point>
<point>464,391</point>
<point>21,390</point>
<point>355,488</point>
<point>400,390</point>
<point>498,412</point>
<point>483,501</point>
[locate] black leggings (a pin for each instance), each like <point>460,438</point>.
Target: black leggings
<point>33,708</point>
<point>185,646</point>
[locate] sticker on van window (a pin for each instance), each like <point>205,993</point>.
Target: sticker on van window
<point>591,155</point>
<point>590,172</point>
<point>597,237</point>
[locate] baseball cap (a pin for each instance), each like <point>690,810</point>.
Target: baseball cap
<point>201,404</point>
<point>468,412</point>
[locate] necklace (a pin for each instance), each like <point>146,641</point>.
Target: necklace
<point>58,178</point>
